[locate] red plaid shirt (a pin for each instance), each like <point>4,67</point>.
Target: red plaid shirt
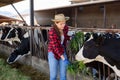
<point>54,44</point>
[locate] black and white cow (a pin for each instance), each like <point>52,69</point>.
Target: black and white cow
<point>12,34</point>
<point>103,48</point>
<point>24,38</point>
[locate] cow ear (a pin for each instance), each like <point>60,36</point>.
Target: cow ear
<point>87,36</point>
<point>95,36</point>
<point>98,38</point>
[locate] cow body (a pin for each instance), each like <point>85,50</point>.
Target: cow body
<point>105,49</point>
<point>12,34</point>
<point>24,39</point>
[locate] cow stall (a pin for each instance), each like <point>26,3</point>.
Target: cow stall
<point>95,16</point>
<point>33,52</point>
<point>85,17</point>
<point>38,47</point>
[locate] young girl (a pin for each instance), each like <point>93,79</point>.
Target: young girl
<point>57,57</point>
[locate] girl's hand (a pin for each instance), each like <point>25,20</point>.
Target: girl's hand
<point>62,57</point>
<point>66,61</point>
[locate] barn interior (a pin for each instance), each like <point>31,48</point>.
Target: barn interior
<point>99,14</point>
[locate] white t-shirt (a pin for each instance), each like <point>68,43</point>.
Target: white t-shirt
<point>62,39</point>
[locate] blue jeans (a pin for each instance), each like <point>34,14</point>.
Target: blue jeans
<point>55,66</point>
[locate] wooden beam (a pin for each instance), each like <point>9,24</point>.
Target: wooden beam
<point>7,2</point>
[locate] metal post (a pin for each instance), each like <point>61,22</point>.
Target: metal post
<point>103,72</point>
<point>108,72</point>
<point>99,70</point>
<point>32,25</point>
<point>31,12</point>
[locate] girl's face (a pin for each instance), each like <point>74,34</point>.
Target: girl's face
<point>60,24</point>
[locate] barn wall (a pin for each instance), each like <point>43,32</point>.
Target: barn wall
<point>90,16</point>
<point>113,14</point>
<point>87,16</point>
<point>44,17</point>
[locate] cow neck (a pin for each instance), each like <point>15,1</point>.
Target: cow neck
<point>17,38</point>
<point>21,33</point>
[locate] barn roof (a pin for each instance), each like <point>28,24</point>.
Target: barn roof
<point>7,19</point>
<point>7,2</point>
<point>82,4</point>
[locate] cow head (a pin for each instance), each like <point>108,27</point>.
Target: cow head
<point>11,32</point>
<point>89,51</point>
<point>21,32</point>
<point>102,49</point>
<point>7,32</point>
